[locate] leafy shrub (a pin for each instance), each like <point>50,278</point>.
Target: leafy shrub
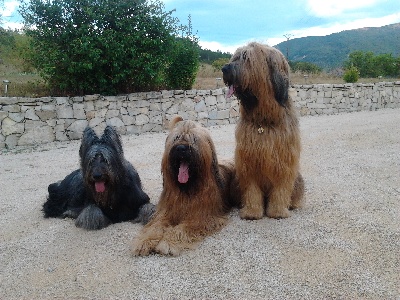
<point>305,67</point>
<point>208,56</point>
<point>351,75</point>
<point>106,46</point>
<point>219,63</point>
<point>181,73</point>
<point>371,65</point>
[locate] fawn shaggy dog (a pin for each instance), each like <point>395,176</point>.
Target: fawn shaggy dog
<point>195,196</point>
<point>267,134</point>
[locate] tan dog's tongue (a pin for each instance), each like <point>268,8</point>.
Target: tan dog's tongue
<point>183,175</point>
<point>100,186</point>
<point>230,92</point>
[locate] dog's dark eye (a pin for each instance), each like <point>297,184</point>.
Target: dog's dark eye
<point>244,55</point>
<point>177,137</point>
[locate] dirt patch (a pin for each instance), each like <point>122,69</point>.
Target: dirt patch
<point>343,244</point>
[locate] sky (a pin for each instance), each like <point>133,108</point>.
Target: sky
<point>228,24</point>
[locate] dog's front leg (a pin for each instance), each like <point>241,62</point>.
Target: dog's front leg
<point>92,218</point>
<point>148,238</point>
<point>178,238</point>
<point>278,203</point>
<point>252,202</point>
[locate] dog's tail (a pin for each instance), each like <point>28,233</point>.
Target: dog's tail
<point>146,212</point>
<point>230,191</point>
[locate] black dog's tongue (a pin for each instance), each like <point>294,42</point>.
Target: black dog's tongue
<point>100,186</point>
<point>183,175</point>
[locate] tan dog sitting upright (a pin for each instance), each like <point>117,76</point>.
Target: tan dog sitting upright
<point>195,196</point>
<point>267,134</point>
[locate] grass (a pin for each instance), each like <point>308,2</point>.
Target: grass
<point>207,78</point>
<point>21,84</point>
<point>31,85</point>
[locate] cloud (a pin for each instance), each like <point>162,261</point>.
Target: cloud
<point>9,8</point>
<point>12,25</point>
<point>215,46</point>
<point>329,8</point>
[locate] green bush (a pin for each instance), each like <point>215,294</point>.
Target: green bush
<point>305,67</point>
<point>370,65</point>
<point>106,46</point>
<point>219,63</point>
<point>351,75</point>
<point>182,70</point>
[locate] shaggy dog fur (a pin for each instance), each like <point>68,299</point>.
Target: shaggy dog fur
<point>195,196</point>
<point>267,134</point>
<point>106,189</point>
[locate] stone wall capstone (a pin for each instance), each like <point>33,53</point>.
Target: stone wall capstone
<point>30,121</point>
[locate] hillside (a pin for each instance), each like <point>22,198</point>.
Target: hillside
<point>330,51</point>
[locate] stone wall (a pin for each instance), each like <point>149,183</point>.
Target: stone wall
<point>338,98</point>
<point>30,121</point>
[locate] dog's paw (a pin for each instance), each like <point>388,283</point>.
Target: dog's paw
<point>143,247</point>
<point>278,213</point>
<point>72,213</point>
<point>251,213</point>
<point>92,218</point>
<point>166,248</point>
<point>146,213</point>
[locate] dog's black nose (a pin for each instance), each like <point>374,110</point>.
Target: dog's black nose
<point>226,68</point>
<point>96,176</point>
<point>181,148</point>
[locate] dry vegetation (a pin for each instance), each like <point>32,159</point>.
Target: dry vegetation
<point>31,85</point>
<point>22,84</point>
<point>208,78</point>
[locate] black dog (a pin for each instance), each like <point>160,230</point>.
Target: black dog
<point>106,189</point>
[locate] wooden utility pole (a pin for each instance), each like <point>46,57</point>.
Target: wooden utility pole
<point>287,36</point>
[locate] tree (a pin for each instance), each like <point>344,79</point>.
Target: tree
<point>6,38</point>
<point>208,56</point>
<point>386,65</point>
<point>219,63</point>
<point>371,65</point>
<point>100,46</point>
<point>182,70</point>
<point>1,6</point>
<point>184,60</point>
<point>305,67</point>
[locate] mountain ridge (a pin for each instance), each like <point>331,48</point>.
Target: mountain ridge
<point>332,50</point>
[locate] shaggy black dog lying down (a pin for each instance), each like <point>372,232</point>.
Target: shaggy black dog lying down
<point>106,189</point>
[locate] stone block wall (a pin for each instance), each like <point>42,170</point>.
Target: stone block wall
<point>30,121</point>
<point>337,98</point>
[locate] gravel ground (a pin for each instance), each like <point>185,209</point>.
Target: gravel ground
<point>344,243</point>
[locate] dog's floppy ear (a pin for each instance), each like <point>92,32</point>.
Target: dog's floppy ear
<point>88,139</point>
<point>281,87</point>
<point>173,122</point>
<point>112,138</point>
<point>280,81</point>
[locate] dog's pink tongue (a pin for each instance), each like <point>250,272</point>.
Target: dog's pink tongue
<point>230,92</point>
<point>183,175</point>
<point>100,186</point>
